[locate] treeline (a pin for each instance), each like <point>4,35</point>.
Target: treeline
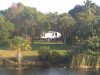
<point>80,26</point>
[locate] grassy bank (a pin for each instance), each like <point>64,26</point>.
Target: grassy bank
<point>36,46</point>
<point>12,53</point>
<point>58,55</point>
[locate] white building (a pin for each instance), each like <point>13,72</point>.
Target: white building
<point>50,35</point>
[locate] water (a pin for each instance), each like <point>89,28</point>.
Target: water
<point>47,71</point>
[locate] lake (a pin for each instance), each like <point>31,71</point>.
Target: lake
<point>47,71</point>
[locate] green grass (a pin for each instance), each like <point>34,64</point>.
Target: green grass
<point>52,45</point>
<point>61,52</point>
<point>13,53</point>
<point>41,43</point>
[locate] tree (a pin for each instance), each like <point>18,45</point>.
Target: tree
<point>66,24</point>
<point>28,21</point>
<point>87,4</point>
<point>97,26</point>
<point>75,10</point>
<point>5,28</point>
<point>41,25</point>
<point>19,44</point>
<point>85,21</point>
<point>85,25</point>
<point>93,44</point>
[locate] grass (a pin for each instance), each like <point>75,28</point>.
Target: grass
<point>13,53</point>
<point>53,46</point>
<point>38,44</point>
<point>61,52</point>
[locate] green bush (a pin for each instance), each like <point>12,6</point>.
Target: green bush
<point>92,43</point>
<point>44,53</point>
<point>92,53</point>
<point>55,57</point>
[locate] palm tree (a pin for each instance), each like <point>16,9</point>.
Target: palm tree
<point>89,6</point>
<point>19,44</point>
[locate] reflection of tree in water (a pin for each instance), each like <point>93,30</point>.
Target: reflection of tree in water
<point>19,71</point>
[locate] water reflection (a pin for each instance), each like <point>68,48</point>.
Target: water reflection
<point>19,72</point>
<point>7,72</point>
<point>47,71</point>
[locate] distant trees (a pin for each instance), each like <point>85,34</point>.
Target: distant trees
<point>52,21</point>
<point>27,20</point>
<point>75,10</point>
<point>66,25</point>
<point>23,19</point>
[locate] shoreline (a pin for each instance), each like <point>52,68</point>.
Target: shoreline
<point>30,58</point>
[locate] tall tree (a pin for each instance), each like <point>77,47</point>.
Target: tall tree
<point>25,19</point>
<point>66,24</point>
<point>85,20</point>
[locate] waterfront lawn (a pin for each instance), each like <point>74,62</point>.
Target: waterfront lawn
<point>53,46</point>
<point>13,53</point>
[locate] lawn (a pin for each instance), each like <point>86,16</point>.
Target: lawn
<point>13,53</point>
<point>53,46</point>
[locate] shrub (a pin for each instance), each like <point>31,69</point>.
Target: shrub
<point>92,43</point>
<point>55,57</point>
<point>44,53</point>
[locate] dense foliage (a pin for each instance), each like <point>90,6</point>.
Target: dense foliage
<point>76,27</point>
<point>93,43</point>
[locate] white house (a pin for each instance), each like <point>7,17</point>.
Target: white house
<point>50,35</point>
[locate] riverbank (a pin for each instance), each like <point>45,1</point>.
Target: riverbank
<point>30,58</point>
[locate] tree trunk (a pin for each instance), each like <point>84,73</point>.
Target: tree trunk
<point>65,40</point>
<point>19,57</point>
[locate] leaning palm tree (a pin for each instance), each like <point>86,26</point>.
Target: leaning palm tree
<point>19,44</point>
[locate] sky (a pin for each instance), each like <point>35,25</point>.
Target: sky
<point>46,6</point>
